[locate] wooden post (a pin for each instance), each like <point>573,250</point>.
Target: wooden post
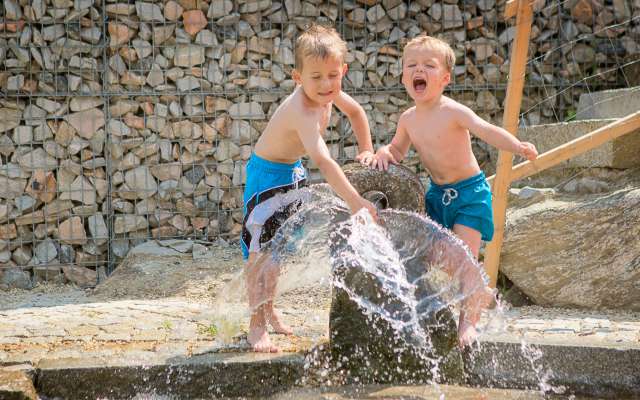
<point>517,68</point>
<point>576,147</point>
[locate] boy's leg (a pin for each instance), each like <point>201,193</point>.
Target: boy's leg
<point>470,237</point>
<point>270,273</point>
<point>257,336</point>
<point>477,295</point>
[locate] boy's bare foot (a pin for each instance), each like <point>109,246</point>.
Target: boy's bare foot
<point>258,336</point>
<point>279,326</point>
<point>260,341</point>
<point>275,320</point>
<point>467,334</point>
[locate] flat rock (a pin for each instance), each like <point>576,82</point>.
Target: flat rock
<point>578,253</point>
<point>87,122</point>
<point>16,385</point>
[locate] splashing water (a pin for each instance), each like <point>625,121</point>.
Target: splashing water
<point>405,275</point>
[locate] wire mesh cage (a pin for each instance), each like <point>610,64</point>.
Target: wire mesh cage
<point>122,122</point>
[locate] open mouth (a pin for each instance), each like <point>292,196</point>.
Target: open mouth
<point>325,94</point>
<point>419,84</point>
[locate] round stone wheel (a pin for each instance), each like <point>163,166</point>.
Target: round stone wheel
<point>401,187</point>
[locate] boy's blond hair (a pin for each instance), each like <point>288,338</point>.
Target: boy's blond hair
<point>438,45</point>
<point>319,42</point>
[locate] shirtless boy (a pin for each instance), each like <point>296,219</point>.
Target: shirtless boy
<point>295,129</point>
<point>459,197</point>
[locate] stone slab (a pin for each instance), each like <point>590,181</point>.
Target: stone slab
<point>614,103</point>
<point>228,375</point>
<point>619,153</point>
<point>580,352</point>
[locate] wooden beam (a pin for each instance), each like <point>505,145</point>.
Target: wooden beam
<point>517,69</point>
<point>510,9</point>
<point>576,147</point>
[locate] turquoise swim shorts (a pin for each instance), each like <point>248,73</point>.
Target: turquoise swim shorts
<point>467,203</point>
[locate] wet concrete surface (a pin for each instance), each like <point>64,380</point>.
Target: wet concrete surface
<point>115,346</point>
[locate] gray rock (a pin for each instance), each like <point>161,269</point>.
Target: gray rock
<point>250,110</point>
<point>120,247</point>
<point>5,256</point>
<point>46,251</point>
<point>98,229</point>
<point>195,174</point>
<point>200,252</point>
<point>9,119</point>
<point>183,246</point>
<point>37,159</point>
<point>66,254</point>
<point>141,181</point>
<point>24,203</point>
<point>219,8</point>
<point>242,132</point>
<point>188,55</point>
<point>15,278</point>
<point>149,12</point>
<point>580,253</point>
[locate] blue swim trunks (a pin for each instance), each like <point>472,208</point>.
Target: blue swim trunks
<point>467,203</point>
<point>263,210</point>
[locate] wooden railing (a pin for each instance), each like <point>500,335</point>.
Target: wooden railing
<point>505,172</point>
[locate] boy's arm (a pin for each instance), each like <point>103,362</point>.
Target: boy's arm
<point>359,124</point>
<point>494,135</point>
<point>395,151</point>
<point>309,132</point>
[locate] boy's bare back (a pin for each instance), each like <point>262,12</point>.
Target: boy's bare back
<point>280,140</point>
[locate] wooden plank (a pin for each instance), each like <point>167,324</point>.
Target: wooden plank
<point>510,9</point>
<point>517,69</point>
<point>576,147</point>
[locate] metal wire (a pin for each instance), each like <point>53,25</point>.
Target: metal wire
<point>203,197</point>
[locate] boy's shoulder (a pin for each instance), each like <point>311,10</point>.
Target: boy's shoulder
<point>294,104</point>
<point>408,112</point>
<point>451,104</point>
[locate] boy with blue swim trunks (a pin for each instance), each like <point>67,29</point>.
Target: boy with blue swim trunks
<point>274,169</point>
<point>459,197</point>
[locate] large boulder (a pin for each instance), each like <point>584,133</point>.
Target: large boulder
<point>577,252</point>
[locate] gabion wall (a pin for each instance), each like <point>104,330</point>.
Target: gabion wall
<point>124,121</point>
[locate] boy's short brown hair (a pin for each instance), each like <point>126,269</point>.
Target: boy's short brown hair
<point>319,42</point>
<point>439,45</point>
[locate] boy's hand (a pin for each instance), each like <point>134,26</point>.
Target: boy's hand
<point>364,203</point>
<point>528,151</point>
<point>383,158</point>
<point>366,158</point>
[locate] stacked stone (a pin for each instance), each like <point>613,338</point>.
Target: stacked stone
<point>52,166</point>
<point>160,103</point>
<point>55,186</point>
<point>51,46</point>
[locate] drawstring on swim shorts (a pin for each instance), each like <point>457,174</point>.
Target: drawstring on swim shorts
<point>448,195</point>
<point>297,175</point>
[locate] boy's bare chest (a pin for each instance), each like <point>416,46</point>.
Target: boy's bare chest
<point>324,118</point>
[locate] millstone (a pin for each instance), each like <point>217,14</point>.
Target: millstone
<point>368,346</point>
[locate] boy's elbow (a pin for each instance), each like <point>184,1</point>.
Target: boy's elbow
<point>357,113</point>
<point>324,163</point>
